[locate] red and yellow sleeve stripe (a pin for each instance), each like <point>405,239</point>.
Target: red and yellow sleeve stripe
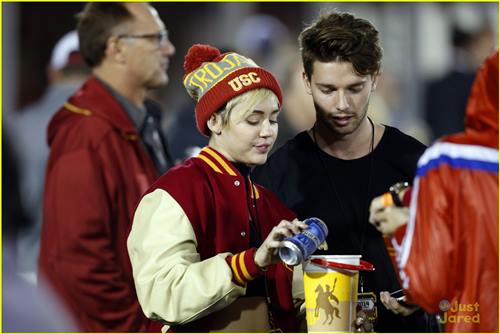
<point>243,266</point>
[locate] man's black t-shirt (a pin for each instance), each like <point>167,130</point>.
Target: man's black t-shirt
<point>314,184</point>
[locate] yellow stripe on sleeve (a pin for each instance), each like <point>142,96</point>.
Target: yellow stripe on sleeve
<point>234,267</point>
<point>243,267</point>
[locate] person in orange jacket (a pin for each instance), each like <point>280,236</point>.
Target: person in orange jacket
<point>446,239</point>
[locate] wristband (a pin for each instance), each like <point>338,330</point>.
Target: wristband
<point>395,190</point>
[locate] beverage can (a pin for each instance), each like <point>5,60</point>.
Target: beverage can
<point>300,247</point>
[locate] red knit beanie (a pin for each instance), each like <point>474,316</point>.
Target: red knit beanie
<point>212,79</point>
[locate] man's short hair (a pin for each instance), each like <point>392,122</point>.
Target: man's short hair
<point>338,36</point>
<point>96,23</point>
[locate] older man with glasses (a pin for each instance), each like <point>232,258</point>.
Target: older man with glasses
<point>106,149</point>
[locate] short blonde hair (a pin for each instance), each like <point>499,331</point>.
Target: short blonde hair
<point>243,105</point>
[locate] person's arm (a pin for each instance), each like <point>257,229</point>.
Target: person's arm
<point>425,248</point>
<point>80,241</point>
<point>418,234</point>
<point>391,220</point>
<point>171,282</point>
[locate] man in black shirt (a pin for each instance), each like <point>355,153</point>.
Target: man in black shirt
<point>333,170</point>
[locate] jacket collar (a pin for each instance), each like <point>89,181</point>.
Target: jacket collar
<point>221,165</point>
<point>108,107</point>
<point>217,162</point>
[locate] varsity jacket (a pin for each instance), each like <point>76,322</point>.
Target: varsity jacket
<point>448,252</point>
<point>190,243</point>
<point>96,174</point>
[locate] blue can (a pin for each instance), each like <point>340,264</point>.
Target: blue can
<point>300,247</point>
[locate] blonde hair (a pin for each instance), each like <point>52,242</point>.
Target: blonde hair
<point>243,105</point>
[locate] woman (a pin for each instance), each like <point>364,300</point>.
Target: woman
<point>204,238</point>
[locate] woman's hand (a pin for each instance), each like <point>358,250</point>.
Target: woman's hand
<point>267,253</point>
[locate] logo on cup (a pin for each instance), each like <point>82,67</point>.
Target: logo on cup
<point>323,302</point>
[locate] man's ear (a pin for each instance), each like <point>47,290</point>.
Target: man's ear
<point>376,78</point>
<point>307,83</point>
<point>115,49</point>
<point>214,124</point>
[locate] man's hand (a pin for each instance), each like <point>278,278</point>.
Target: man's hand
<point>267,253</point>
<point>393,305</point>
<point>387,218</point>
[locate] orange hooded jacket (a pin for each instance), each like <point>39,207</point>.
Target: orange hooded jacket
<point>448,252</point>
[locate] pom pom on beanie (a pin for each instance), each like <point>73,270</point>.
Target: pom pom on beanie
<point>199,54</point>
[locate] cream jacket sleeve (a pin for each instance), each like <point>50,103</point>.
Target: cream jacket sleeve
<point>172,284</point>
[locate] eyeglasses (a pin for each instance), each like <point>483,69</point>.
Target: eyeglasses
<point>160,39</point>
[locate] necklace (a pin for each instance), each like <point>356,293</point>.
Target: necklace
<point>331,181</point>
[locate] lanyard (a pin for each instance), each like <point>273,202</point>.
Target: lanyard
<point>334,188</point>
